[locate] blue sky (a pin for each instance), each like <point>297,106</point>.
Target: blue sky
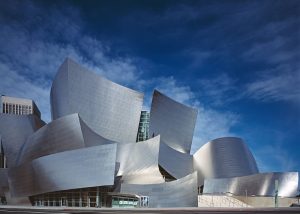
<point>238,62</point>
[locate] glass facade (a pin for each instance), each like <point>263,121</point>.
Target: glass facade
<point>143,131</point>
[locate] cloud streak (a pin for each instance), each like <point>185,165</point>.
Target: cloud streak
<point>29,71</point>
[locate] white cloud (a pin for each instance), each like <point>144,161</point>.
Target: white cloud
<point>283,86</point>
<point>30,59</point>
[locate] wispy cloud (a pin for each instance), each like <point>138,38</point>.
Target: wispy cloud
<point>30,57</point>
<point>283,86</point>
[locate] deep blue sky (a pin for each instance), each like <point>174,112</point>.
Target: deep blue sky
<point>238,62</point>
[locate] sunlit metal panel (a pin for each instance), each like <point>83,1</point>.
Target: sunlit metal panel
<point>139,162</point>
<point>87,167</point>
<point>174,121</point>
<point>176,163</point>
<point>111,110</point>
<point>224,158</point>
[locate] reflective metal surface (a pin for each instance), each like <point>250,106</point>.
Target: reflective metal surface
<point>64,134</point>
<point>139,162</point>
<point>176,163</point>
<point>179,193</point>
<point>262,184</point>
<point>86,167</point>
<point>173,121</point>
<point>91,144</point>
<point>224,158</point>
<point>14,130</point>
<point>109,109</point>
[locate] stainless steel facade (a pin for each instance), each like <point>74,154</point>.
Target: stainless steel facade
<point>86,167</point>
<point>177,164</point>
<point>89,147</point>
<point>173,121</point>
<point>139,162</point>
<point>224,158</point>
<point>179,193</point>
<point>14,130</point>
<point>111,110</point>
<point>262,184</point>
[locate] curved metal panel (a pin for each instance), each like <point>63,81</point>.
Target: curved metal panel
<point>175,163</point>
<point>14,130</point>
<point>224,158</point>
<point>60,135</point>
<point>179,193</point>
<point>139,162</point>
<point>109,109</point>
<point>262,184</point>
<point>93,166</point>
<point>174,121</point>
<point>64,134</point>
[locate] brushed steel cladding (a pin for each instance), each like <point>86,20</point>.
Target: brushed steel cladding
<point>63,134</point>
<point>174,121</point>
<point>178,193</point>
<point>111,110</point>
<point>224,158</point>
<point>86,167</point>
<point>14,130</point>
<point>262,184</point>
<point>175,163</point>
<point>139,162</point>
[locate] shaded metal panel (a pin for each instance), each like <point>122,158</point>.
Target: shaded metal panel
<point>262,184</point>
<point>90,137</point>
<point>14,130</point>
<point>175,163</point>
<point>179,193</point>
<point>109,109</point>
<point>59,93</point>
<point>60,135</point>
<point>174,121</point>
<point>93,166</point>
<point>224,158</point>
<point>139,162</point>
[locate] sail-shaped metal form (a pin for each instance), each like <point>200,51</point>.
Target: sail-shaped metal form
<point>64,134</point>
<point>65,170</point>
<point>224,158</point>
<point>139,162</point>
<point>111,110</point>
<point>173,121</point>
<point>176,163</point>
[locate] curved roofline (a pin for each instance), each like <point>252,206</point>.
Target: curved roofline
<point>68,60</point>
